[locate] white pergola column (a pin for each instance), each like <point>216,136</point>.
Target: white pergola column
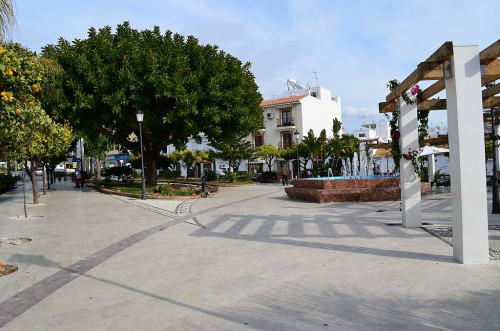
<point>466,142</point>
<point>431,163</point>
<point>410,182</point>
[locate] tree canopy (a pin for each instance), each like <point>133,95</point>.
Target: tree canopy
<point>184,89</point>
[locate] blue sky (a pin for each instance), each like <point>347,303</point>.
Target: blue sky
<point>355,47</point>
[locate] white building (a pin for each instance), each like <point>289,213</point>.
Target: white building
<point>373,131</point>
<point>304,109</point>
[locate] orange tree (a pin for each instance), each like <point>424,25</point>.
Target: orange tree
<point>48,140</point>
<point>20,77</point>
<point>183,87</point>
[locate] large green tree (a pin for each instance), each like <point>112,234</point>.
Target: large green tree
<point>184,89</point>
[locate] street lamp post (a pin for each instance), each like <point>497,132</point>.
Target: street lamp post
<point>297,134</point>
<point>494,179</point>
<point>140,117</point>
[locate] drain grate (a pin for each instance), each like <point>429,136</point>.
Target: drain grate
<point>380,210</point>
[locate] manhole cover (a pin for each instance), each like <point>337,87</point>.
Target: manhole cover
<point>7,269</point>
<point>14,241</point>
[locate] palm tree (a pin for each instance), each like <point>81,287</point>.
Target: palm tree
<point>7,18</point>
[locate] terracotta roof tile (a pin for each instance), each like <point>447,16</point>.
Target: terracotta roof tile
<point>272,102</point>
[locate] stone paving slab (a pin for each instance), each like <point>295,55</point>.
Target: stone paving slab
<point>261,262</point>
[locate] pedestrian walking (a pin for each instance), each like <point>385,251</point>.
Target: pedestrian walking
<point>284,175</point>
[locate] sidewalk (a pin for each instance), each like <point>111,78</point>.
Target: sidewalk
<point>260,262</point>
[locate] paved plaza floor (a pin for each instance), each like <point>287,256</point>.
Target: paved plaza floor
<point>246,258</point>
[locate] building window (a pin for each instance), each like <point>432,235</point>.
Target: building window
<point>286,117</point>
<point>258,141</point>
<point>362,135</point>
<point>286,140</point>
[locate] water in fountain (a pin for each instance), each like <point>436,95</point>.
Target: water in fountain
<point>355,165</point>
<point>344,171</point>
<point>363,164</point>
<point>348,167</point>
<point>370,166</point>
<point>330,172</point>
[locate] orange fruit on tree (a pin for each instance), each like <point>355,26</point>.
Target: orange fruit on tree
<point>18,111</point>
<point>5,98</point>
<point>10,73</point>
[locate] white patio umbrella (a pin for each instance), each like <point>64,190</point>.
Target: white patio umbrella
<point>430,150</point>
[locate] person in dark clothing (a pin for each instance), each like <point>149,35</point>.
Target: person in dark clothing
<point>85,176</point>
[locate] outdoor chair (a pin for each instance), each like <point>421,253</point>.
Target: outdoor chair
<point>444,182</point>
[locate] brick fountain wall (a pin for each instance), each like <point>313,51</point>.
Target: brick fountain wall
<point>338,190</point>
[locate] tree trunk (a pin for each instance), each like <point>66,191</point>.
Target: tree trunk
<point>44,180</point>
<point>52,175</point>
<point>98,163</point>
<point>150,169</point>
<point>49,179</point>
<point>32,174</point>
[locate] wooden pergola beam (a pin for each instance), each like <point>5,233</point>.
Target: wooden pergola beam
<point>404,86</point>
<point>436,104</point>
<point>490,72</point>
<point>432,104</point>
<point>490,53</point>
<point>491,91</point>
<point>425,105</point>
<point>433,89</point>
<point>492,102</point>
<point>430,71</point>
<point>442,54</point>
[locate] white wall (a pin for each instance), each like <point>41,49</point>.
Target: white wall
<point>319,114</point>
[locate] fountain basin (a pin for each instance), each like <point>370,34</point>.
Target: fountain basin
<point>343,190</point>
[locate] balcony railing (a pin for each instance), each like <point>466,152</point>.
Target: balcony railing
<point>285,122</point>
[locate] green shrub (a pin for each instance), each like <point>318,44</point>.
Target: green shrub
<point>231,176</point>
<point>128,180</point>
<point>210,175</point>
<point>246,176</point>
<point>169,174</point>
<point>163,189</point>
<point>106,180</point>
